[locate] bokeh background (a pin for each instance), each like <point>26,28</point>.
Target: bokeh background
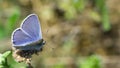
<point>78,33</point>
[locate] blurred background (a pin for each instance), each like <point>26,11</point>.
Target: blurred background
<point>78,33</point>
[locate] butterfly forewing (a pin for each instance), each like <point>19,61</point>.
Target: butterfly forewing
<point>28,32</point>
<point>31,25</point>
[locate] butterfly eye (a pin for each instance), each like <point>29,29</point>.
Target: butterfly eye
<point>44,42</point>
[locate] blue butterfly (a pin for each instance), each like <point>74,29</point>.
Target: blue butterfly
<point>28,37</point>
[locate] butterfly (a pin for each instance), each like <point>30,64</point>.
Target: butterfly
<point>27,39</point>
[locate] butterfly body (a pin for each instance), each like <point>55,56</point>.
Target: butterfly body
<point>27,39</point>
<point>32,46</point>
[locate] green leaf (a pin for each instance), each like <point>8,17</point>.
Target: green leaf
<point>105,19</point>
<point>2,31</point>
<point>79,4</point>
<point>70,13</point>
<point>6,54</point>
<point>100,4</point>
<point>7,61</point>
<point>13,64</point>
<point>91,62</point>
<point>3,59</point>
<point>59,65</point>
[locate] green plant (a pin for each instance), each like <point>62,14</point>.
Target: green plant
<point>7,61</point>
<point>3,59</point>
<point>102,8</point>
<point>72,7</point>
<point>60,65</point>
<point>91,62</point>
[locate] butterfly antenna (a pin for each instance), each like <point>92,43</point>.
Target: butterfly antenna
<point>46,33</point>
<point>47,45</point>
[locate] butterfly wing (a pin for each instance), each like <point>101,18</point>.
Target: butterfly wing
<point>28,32</point>
<point>31,25</point>
<point>21,38</point>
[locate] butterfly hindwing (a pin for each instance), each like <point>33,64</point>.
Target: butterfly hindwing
<point>20,38</point>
